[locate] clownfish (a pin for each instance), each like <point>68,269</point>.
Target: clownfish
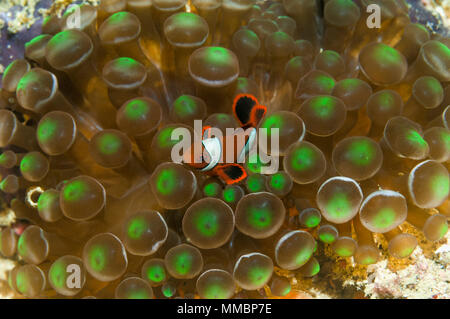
<point>212,159</point>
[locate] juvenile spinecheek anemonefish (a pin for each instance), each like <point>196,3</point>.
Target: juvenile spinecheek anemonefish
<point>213,158</point>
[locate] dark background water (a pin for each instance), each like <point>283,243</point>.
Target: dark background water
<point>12,45</point>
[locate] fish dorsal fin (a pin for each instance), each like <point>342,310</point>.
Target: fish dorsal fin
<point>256,114</point>
<point>247,110</point>
<point>242,106</point>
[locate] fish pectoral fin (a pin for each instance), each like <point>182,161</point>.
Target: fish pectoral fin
<point>231,173</point>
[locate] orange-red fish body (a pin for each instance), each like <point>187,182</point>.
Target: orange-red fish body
<point>222,156</point>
